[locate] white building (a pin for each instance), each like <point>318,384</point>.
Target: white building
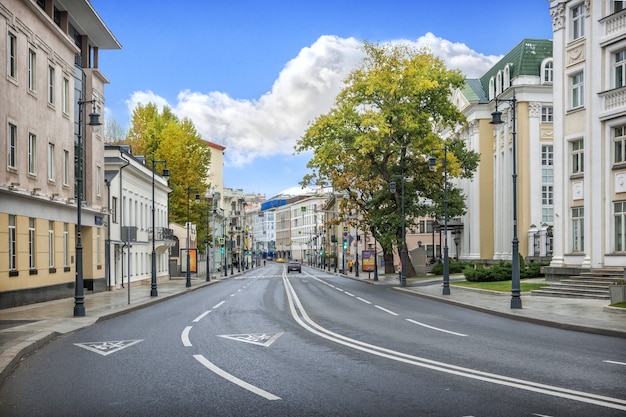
<point>131,234</point>
<point>590,134</point>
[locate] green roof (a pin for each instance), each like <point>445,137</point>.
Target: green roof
<point>524,59</point>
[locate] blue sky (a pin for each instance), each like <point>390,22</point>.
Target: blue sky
<point>252,74</point>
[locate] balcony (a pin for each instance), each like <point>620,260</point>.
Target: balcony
<point>163,235</point>
<point>613,101</point>
<point>613,26</point>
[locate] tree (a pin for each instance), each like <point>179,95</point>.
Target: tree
<point>163,136</point>
<point>393,113</point>
<point>113,131</point>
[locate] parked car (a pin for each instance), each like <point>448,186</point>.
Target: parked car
<point>294,265</point>
<point>280,260</point>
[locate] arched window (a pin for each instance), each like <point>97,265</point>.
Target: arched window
<point>547,71</point>
<point>492,90</point>
<point>506,82</point>
<point>498,83</point>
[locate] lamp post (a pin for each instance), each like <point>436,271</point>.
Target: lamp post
<point>153,281</point>
<point>208,259</point>
<point>496,119</point>
<point>188,272</point>
<point>432,164</point>
<point>392,186</point>
<point>79,291</point>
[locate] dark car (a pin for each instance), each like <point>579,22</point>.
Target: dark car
<point>294,265</point>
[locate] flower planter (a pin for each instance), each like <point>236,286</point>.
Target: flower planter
<point>617,293</point>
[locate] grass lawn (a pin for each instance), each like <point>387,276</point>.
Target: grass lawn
<point>620,305</point>
<point>502,286</point>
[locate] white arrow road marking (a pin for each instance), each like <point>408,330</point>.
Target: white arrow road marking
<point>435,328</point>
<point>262,339</point>
<point>256,390</point>
<point>106,348</point>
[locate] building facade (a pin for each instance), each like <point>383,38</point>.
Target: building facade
<point>590,134</point>
<point>525,74</point>
<point>50,83</point>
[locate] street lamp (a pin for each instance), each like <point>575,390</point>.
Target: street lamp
<point>432,164</point>
<point>392,187</point>
<point>79,291</point>
<point>188,272</point>
<point>496,119</point>
<point>166,174</point>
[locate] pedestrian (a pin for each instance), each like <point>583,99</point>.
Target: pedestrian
<point>350,265</point>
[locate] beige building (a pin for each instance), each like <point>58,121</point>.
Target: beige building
<point>50,55</point>
<point>526,75</point>
<point>590,134</point>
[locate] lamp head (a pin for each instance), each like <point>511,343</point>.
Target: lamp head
<point>166,173</point>
<point>496,118</point>
<point>392,187</point>
<point>432,163</point>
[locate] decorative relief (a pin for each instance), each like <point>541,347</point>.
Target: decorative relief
<point>620,182</point>
<point>534,109</point>
<point>546,133</point>
<point>473,127</point>
<point>577,190</point>
<point>576,54</point>
<point>558,17</point>
<point>587,6</point>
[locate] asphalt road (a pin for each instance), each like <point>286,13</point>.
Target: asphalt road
<point>269,343</point>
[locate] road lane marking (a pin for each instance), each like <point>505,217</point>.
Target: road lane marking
<point>243,384</point>
<point>106,348</point>
<point>302,318</point>
<point>185,336</point>
<point>435,328</point>
<point>365,301</point>
<point>616,363</point>
<point>385,310</point>
<point>348,293</point>
<point>262,339</point>
<point>218,304</point>
<point>201,316</point>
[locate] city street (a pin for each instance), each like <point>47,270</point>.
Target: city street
<point>272,343</point>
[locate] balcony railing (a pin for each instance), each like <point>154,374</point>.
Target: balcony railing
<point>161,233</point>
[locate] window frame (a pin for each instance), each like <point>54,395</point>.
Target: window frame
<point>577,154</point>
<point>12,56</point>
<point>577,90</point>
<point>32,70</point>
<point>51,164</point>
<point>50,243</point>
<point>51,79</point>
<point>618,134</point>
<point>577,15</point>
<point>619,226</point>
<point>32,243</point>
<point>578,229</point>
<point>12,146</point>
<point>32,153</point>
<point>12,237</point>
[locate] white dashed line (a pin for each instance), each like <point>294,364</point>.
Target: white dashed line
<point>435,328</point>
<point>350,294</point>
<point>201,316</point>
<point>218,304</point>
<point>615,363</point>
<point>185,336</point>
<point>365,301</point>
<point>385,310</point>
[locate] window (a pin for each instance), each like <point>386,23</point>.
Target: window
<point>114,209</point>
<point>32,154</point>
<point>32,70</point>
<point>98,247</point>
<point>51,168</point>
<point>547,114</point>
<point>12,146</point>
<point>547,184</point>
<point>50,85</point>
<point>619,144</point>
<point>578,227</point>
<point>619,215</point>
<point>619,68</point>
<point>12,243</point>
<point>66,167</point>
<point>31,243</point>
<point>12,56</point>
<point>66,246</point>
<point>578,22</point>
<point>66,96</point>
<point>577,83</point>
<point>98,180</point>
<point>422,226</point>
<point>578,153</point>
<point>50,244</point>
<point>548,72</point>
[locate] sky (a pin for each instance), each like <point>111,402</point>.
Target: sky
<point>252,75</point>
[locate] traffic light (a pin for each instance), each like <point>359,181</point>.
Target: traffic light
<point>345,244</point>
<point>222,250</point>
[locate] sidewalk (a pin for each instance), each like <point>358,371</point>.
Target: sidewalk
<point>26,328</point>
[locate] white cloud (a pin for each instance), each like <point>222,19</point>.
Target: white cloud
<point>305,88</point>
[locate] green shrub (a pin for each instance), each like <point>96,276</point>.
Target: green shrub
<point>454,267</point>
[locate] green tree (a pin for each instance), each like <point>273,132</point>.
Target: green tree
<point>393,113</point>
<point>163,136</point>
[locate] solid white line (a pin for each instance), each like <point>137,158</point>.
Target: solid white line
<point>201,316</point>
<point>185,336</point>
<point>218,304</point>
<point>243,384</point>
<point>616,363</point>
<point>303,319</point>
<point>385,310</point>
<point>365,301</point>
<point>435,328</point>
